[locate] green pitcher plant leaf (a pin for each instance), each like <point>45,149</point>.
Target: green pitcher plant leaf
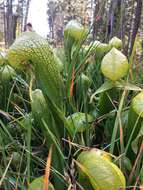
<point>114,65</point>
<point>100,171</point>
<point>79,122</point>
<point>116,42</point>
<point>6,73</point>
<point>31,50</point>
<point>137,104</point>
<point>134,125</point>
<point>107,85</point>
<point>127,86</point>
<point>138,140</point>
<point>38,184</point>
<point>75,30</point>
<point>121,84</point>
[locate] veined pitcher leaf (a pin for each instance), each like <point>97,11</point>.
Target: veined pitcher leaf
<point>100,171</point>
<point>114,65</point>
<point>30,49</point>
<point>59,63</point>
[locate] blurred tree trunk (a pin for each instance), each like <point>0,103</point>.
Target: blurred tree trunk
<point>116,15</point>
<point>15,15</point>
<point>26,13</point>
<point>130,9</point>
<point>98,19</point>
<point>96,9</point>
<point>21,8</point>
<point>52,7</point>
<point>9,23</point>
<point>15,18</point>
<point>122,21</point>
<point>111,18</point>
<point>136,23</point>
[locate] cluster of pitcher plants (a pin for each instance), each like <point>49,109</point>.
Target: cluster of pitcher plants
<point>71,117</point>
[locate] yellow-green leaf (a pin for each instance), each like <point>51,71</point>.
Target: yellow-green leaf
<point>38,183</point>
<point>137,104</point>
<point>100,171</point>
<point>75,30</point>
<point>116,42</point>
<point>114,65</point>
<point>79,122</point>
